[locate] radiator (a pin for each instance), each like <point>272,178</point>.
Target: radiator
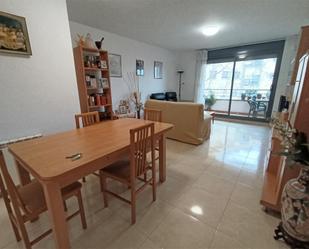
<point>8,157</point>
<point>4,144</point>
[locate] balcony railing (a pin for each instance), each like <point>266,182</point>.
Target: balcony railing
<point>238,94</point>
<point>239,102</point>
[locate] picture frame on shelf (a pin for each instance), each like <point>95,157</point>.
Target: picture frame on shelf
<point>123,109</point>
<point>104,83</point>
<point>139,67</point>
<point>115,67</point>
<point>103,64</point>
<point>158,70</point>
<point>14,37</point>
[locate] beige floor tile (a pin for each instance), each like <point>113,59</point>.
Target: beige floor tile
<point>131,238</point>
<point>202,205</point>
<point>247,196</point>
<point>253,229</point>
<point>251,179</point>
<point>179,230</point>
<point>215,185</point>
<point>148,244</point>
<point>222,241</point>
<point>224,171</point>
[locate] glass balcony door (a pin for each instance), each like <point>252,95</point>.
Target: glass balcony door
<point>218,86</point>
<point>252,85</point>
<point>240,88</point>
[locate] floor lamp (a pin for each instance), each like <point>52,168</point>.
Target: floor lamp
<point>180,72</point>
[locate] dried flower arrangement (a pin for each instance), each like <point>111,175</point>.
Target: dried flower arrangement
<point>132,82</point>
<point>294,143</point>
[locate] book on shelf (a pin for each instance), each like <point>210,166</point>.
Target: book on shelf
<point>97,100</point>
<point>91,81</point>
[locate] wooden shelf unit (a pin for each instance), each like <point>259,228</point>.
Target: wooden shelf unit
<point>277,173</point>
<point>87,93</point>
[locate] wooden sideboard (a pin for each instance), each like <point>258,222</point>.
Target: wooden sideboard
<point>276,174</point>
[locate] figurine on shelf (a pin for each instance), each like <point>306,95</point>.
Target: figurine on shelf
<point>89,41</point>
<point>80,40</point>
<point>99,43</point>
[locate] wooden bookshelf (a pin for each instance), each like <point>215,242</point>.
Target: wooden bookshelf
<point>93,81</point>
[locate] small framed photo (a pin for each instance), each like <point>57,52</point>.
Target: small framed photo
<point>123,109</point>
<point>158,70</point>
<point>115,67</point>
<point>103,64</point>
<point>105,83</point>
<point>139,67</point>
<point>14,36</point>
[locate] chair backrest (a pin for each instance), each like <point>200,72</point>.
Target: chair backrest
<point>252,104</point>
<point>11,188</point>
<point>88,118</point>
<point>141,139</point>
<point>153,115</point>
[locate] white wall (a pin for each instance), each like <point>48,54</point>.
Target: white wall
<point>38,94</point>
<point>289,53</point>
<point>130,50</point>
<point>187,61</point>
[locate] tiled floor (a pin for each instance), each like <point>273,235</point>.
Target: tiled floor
<point>210,200</point>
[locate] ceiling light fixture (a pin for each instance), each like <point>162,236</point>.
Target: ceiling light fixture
<point>210,30</point>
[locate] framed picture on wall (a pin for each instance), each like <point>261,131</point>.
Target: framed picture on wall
<point>158,70</point>
<point>14,36</point>
<point>139,67</point>
<point>115,67</point>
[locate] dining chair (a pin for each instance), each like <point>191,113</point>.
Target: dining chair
<point>256,107</point>
<point>28,202</point>
<point>87,119</point>
<point>130,171</point>
<point>153,115</point>
<point>156,116</point>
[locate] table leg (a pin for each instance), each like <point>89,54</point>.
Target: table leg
<point>162,158</point>
<point>24,176</point>
<point>57,215</point>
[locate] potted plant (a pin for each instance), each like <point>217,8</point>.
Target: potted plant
<point>294,225</point>
<point>209,101</point>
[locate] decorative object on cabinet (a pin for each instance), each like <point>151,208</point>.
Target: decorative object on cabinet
<point>115,65</point>
<point>80,40</point>
<point>89,41</point>
<point>132,82</point>
<point>158,70</point>
<point>99,43</point>
<point>14,36</point>
<point>93,81</point>
<point>139,67</point>
<point>293,228</point>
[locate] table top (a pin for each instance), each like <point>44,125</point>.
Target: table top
<point>45,157</point>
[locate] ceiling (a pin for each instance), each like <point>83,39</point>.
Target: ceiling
<point>175,24</point>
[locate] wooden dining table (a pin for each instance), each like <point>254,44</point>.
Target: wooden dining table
<point>99,145</point>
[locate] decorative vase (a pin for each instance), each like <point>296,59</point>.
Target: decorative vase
<point>99,43</point>
<point>88,41</point>
<point>295,210</point>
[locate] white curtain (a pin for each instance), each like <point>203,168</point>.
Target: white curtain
<point>200,76</point>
